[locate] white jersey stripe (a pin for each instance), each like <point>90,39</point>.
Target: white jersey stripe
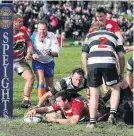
<point>95,48</point>
<point>95,60</point>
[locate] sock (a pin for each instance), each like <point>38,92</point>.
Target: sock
<point>41,90</point>
<point>113,111</point>
<point>26,98</point>
<point>92,120</point>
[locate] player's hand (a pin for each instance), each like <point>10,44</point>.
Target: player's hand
<point>35,56</point>
<point>31,113</point>
<point>45,52</point>
<point>127,49</point>
<point>28,56</point>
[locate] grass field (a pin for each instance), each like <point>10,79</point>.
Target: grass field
<point>70,57</point>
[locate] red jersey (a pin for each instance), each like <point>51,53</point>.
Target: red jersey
<point>19,41</point>
<point>111,26</point>
<point>76,107</point>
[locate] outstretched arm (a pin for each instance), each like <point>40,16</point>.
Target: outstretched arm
<point>129,48</point>
<point>40,110</point>
<point>73,120</point>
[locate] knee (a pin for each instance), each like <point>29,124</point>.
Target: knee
<point>31,78</point>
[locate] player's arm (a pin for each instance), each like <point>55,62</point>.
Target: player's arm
<point>119,35</point>
<point>73,120</point>
<point>44,98</point>
<point>117,31</point>
<point>40,110</point>
<point>121,63</point>
<point>84,57</point>
<point>55,48</point>
<point>57,87</point>
<point>129,48</point>
<point>29,46</point>
<point>120,52</point>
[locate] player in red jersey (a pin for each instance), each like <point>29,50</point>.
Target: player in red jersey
<point>74,110</point>
<point>111,25</point>
<point>20,65</point>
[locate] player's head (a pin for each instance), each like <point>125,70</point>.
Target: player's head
<point>98,26</point>
<point>101,14</point>
<point>109,14</point>
<point>77,76</point>
<point>18,22</point>
<point>62,99</point>
<point>42,28</point>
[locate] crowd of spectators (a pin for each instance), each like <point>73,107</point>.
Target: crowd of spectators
<point>74,18</point>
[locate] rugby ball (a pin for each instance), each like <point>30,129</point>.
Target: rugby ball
<point>35,119</point>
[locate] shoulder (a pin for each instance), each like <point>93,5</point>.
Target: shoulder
<point>77,104</point>
<point>33,36</point>
<point>76,101</point>
<point>64,82</point>
<point>50,34</point>
<point>112,22</point>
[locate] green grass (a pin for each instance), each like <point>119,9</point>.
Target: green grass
<point>70,57</point>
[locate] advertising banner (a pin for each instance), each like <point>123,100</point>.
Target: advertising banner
<point>6,60</point>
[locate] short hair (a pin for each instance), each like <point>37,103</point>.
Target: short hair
<point>17,16</point>
<point>101,9</point>
<point>64,95</point>
<point>78,70</point>
<point>99,26</point>
<point>42,22</point>
<point>109,12</point>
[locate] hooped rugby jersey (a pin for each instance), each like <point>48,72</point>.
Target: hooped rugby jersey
<point>66,84</point>
<point>19,41</point>
<point>101,47</point>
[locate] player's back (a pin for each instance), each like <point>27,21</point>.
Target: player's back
<point>102,46</point>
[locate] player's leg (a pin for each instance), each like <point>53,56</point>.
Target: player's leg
<point>112,80</point>
<point>49,82</point>
<point>93,104</point>
<point>29,78</point>
<point>49,74</point>
<point>94,81</point>
<point>22,68</point>
<point>39,72</point>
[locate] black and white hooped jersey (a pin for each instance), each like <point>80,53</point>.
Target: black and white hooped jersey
<point>66,84</point>
<point>130,64</point>
<point>101,47</point>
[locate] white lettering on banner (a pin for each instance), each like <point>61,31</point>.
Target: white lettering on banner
<point>5,80</point>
